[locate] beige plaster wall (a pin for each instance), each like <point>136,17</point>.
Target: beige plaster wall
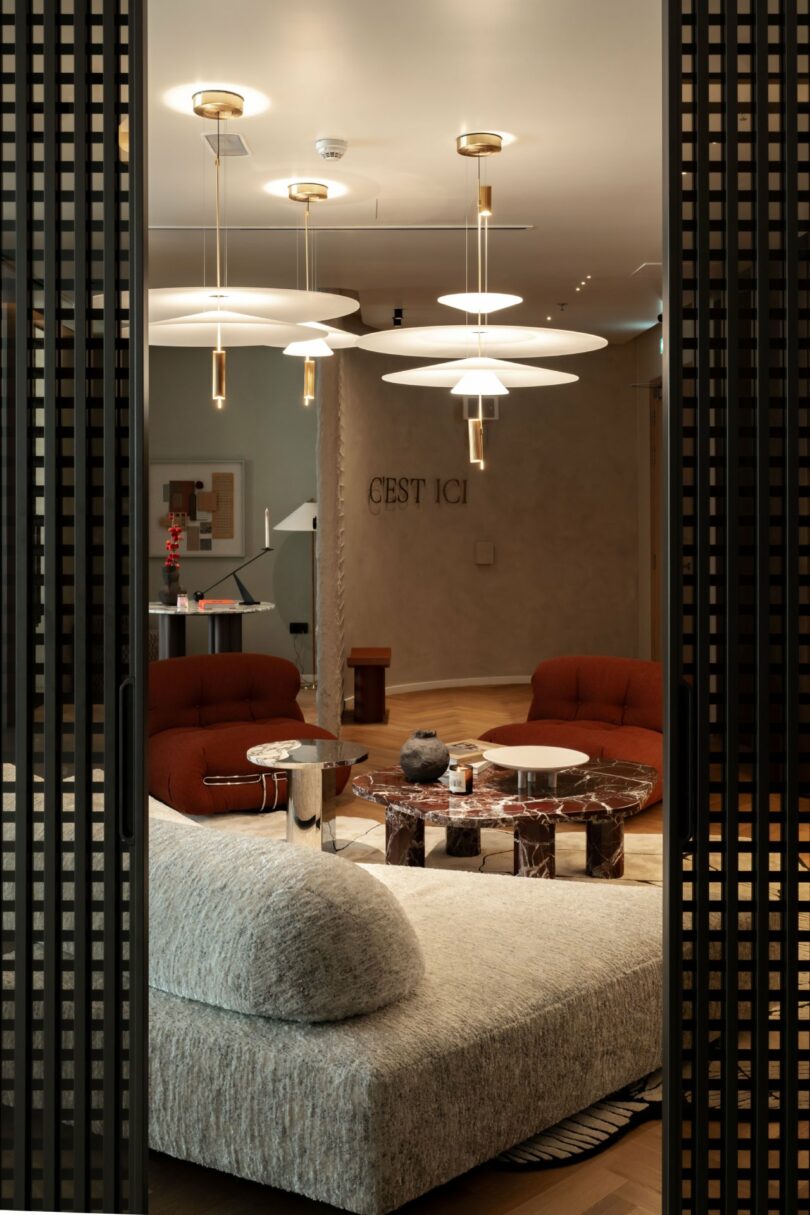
<point>559,500</point>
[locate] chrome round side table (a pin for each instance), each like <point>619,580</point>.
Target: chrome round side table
<point>311,765</point>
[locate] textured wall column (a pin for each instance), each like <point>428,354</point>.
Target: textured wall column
<point>330,637</point>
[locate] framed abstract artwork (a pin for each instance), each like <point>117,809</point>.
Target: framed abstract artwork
<point>207,498</point>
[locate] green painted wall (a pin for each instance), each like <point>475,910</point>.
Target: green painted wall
<point>266,425</point>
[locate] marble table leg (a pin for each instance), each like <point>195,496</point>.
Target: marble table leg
<point>463,841</point>
<point>534,849</point>
<point>605,849</point>
<point>404,838</point>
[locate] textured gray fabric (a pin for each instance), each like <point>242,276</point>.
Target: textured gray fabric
<point>271,929</point>
<point>538,999</point>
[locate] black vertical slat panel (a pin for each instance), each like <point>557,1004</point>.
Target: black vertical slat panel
<point>731,733</point>
<point>737,1104</point>
<point>71,498</point>
<point>51,979</point>
<point>699,667</point>
<point>762,764</point>
<point>82,710</point>
<point>111,610</point>
<point>792,521</point>
<point>23,678</point>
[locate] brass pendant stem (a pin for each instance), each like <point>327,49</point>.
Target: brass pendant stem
<point>306,246</point>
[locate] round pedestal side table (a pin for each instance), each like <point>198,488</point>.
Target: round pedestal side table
<point>311,766</point>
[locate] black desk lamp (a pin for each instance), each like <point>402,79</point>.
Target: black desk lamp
<point>247,599</point>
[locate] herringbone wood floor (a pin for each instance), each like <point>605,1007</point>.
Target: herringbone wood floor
<point>625,1180</point>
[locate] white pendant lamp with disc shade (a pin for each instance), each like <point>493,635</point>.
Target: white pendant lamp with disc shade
<point>219,315</point>
<point>509,375</point>
<point>479,352</point>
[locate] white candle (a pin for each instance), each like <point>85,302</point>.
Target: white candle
<point>267,527</point>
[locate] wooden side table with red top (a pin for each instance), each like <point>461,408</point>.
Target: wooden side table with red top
<point>369,664</point>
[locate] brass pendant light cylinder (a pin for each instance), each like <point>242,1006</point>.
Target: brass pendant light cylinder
<point>475,429</point>
<point>485,201</point>
<point>218,375</point>
<point>309,380</point>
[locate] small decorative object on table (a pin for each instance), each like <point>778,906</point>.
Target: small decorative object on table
<point>460,778</point>
<point>171,566</point>
<point>423,757</point>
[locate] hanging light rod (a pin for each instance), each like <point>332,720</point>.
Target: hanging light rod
<point>336,228</point>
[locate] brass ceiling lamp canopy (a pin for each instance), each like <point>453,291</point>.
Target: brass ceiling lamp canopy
<point>479,143</point>
<point>218,104</point>
<point>307,191</point>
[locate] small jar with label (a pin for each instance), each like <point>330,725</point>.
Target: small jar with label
<point>460,778</point>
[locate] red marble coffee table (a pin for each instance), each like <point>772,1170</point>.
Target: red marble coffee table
<point>601,794</point>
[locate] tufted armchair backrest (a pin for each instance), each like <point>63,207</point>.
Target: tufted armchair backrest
<point>206,689</point>
<point>620,691</point>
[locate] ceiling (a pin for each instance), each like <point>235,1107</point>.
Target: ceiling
<point>576,83</point>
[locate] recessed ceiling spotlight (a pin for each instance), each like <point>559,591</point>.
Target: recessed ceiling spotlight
<point>588,276</point>
<point>280,187</point>
<point>582,284</point>
<point>180,97</point>
<point>548,318</point>
<point>577,288</point>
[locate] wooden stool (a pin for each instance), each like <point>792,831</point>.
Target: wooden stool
<point>369,663</point>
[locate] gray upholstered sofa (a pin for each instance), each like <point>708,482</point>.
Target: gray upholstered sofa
<point>509,1005</point>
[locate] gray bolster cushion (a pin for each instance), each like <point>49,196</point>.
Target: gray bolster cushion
<point>272,929</point>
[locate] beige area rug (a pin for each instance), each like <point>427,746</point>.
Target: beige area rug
<point>363,840</point>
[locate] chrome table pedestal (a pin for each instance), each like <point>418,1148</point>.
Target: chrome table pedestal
<point>311,766</point>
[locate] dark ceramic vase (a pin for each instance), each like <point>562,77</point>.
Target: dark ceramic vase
<point>171,586</point>
<point>424,757</point>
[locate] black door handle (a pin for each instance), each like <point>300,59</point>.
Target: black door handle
<point>126,700</point>
<point>687,784</point>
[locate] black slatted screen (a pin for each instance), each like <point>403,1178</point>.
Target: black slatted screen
<point>71,613</point>
<point>738,750</point>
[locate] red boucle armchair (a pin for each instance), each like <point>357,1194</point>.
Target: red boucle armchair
<point>610,708</point>
<point>204,713</point>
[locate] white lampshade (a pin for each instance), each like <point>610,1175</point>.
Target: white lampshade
<point>464,341</point>
<point>479,384</point>
<point>480,301</point>
<point>313,348</point>
<point>336,339</point>
<point>269,303</point>
<point>303,519</point>
<point>511,375</point>
<point>272,303</point>
<point>230,333</point>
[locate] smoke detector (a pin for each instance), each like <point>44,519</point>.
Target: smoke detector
<point>331,149</point>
